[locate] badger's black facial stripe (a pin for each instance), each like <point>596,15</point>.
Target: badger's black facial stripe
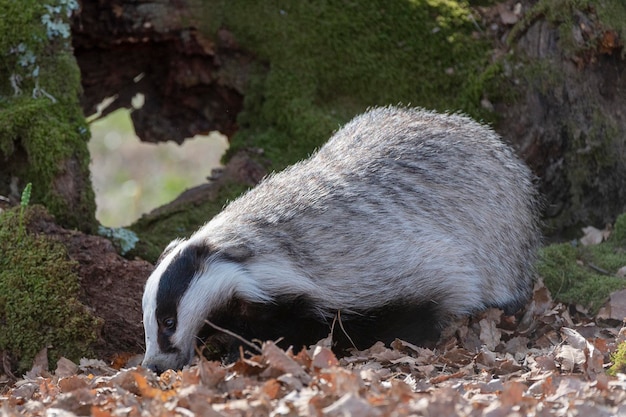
<point>172,287</point>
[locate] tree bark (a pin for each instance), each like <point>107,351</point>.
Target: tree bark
<point>191,83</point>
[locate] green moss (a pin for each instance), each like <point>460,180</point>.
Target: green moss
<point>155,232</point>
<point>618,237</point>
<point>611,15</point>
<point>585,275</point>
<point>326,61</point>
<point>43,133</point>
<point>619,360</point>
<point>38,297</point>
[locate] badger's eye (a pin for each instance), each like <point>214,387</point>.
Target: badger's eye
<point>169,323</point>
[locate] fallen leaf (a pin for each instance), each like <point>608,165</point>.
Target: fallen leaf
<point>615,308</point>
<point>40,365</point>
<point>569,357</point>
<point>148,391</point>
<point>72,383</point>
<point>324,358</point>
<point>489,333</point>
<point>65,368</point>
<point>271,389</point>
<point>513,393</point>
<point>279,360</point>
<point>593,236</point>
<point>351,405</point>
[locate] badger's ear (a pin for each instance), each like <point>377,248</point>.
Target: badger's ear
<point>238,253</point>
<point>174,243</point>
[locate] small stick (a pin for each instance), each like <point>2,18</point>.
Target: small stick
<point>598,269</point>
<point>338,316</point>
<point>235,335</point>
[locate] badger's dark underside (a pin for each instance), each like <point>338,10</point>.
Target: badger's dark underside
<point>294,322</point>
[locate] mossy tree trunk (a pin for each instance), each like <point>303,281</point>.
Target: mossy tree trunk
<point>566,71</point>
<point>43,134</point>
<point>284,76</point>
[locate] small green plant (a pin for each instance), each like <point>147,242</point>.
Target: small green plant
<point>123,239</point>
<point>23,204</point>
<point>619,360</point>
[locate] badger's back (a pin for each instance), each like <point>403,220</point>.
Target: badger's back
<point>402,207</point>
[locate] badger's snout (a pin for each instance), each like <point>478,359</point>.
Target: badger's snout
<point>404,219</point>
<point>159,363</point>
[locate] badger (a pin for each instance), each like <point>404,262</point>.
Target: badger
<point>403,220</point>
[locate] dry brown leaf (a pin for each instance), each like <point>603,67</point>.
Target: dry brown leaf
<point>271,389</point>
<point>148,391</point>
<point>72,383</point>
<point>40,365</point>
<point>513,393</point>
<point>65,368</point>
<point>615,308</point>
<point>211,373</point>
<point>487,358</point>
<point>570,358</point>
<point>351,405</point>
<point>442,378</point>
<point>489,333</point>
<point>324,358</point>
<point>545,363</point>
<point>279,361</point>
<point>339,381</point>
<point>78,402</point>
<point>593,358</point>
<point>95,367</point>
<point>97,411</point>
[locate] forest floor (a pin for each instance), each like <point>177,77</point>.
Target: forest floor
<point>549,360</point>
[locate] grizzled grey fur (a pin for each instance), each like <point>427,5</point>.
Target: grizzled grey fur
<point>404,219</point>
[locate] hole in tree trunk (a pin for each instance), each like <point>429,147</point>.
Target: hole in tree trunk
<point>131,177</point>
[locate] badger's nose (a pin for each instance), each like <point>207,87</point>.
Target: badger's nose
<point>155,369</point>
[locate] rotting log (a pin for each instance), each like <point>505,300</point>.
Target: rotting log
<point>190,83</point>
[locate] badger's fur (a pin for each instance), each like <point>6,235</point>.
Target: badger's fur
<point>404,219</point>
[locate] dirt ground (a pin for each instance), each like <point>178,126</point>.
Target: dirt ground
<point>112,286</point>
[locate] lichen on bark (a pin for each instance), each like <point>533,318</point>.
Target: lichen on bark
<point>43,133</point>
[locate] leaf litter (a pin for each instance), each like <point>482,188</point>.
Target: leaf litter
<point>548,360</point>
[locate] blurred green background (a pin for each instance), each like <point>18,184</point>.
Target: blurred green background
<point>130,177</point>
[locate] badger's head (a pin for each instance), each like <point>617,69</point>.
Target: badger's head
<point>192,281</point>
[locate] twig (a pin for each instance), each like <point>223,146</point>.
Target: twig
<point>338,317</point>
<point>6,365</point>
<point>598,269</point>
<point>235,335</point>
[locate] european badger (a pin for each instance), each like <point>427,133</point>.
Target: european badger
<point>404,219</point>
